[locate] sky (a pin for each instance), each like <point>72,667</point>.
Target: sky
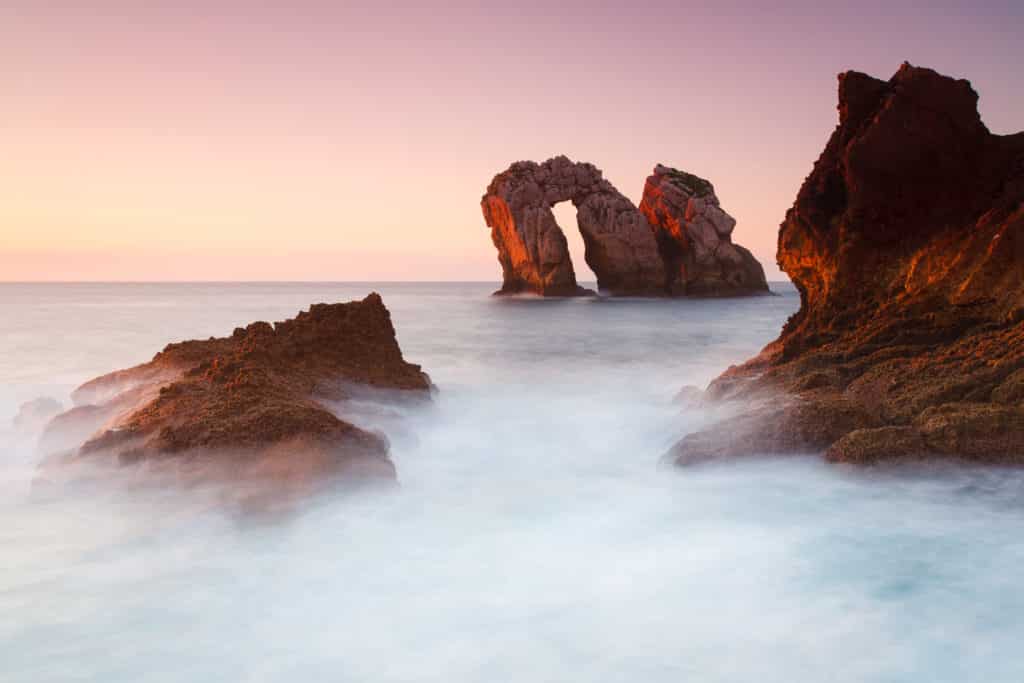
<point>347,141</point>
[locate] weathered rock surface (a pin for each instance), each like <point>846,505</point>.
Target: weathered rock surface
<point>534,255</point>
<point>251,404</point>
<point>694,236</point>
<point>906,243</point>
<point>656,250</point>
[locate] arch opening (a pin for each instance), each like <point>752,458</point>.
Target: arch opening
<point>565,216</point>
<point>618,240</point>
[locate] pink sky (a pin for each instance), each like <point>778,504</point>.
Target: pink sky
<point>332,141</point>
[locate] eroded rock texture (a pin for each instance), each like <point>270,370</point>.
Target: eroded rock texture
<point>694,235</point>
<point>252,404</point>
<point>619,244</point>
<point>906,243</point>
<point>660,250</point>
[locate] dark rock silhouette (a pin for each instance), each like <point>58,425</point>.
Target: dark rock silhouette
<point>677,243</point>
<point>906,243</point>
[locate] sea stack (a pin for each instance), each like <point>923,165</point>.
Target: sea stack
<point>678,242</point>
<point>253,405</point>
<point>694,235</point>
<point>906,243</point>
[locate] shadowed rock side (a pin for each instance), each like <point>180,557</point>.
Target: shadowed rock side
<point>906,243</point>
<point>658,251</point>
<point>248,404</point>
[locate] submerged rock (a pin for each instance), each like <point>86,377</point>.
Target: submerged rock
<point>678,242</point>
<point>906,243</point>
<point>251,404</point>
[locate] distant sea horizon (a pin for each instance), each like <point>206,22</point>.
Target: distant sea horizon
<point>496,282</point>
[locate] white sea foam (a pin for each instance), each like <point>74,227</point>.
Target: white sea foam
<point>532,538</point>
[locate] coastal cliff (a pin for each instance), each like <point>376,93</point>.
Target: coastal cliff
<point>906,243</point>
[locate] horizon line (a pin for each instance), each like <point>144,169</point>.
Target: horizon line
<point>266,282</point>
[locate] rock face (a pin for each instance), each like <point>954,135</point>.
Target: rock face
<point>656,250</point>
<point>534,255</point>
<point>694,237</point>
<point>251,403</point>
<point>906,244</point>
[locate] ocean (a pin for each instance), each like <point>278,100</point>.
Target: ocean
<point>533,535</point>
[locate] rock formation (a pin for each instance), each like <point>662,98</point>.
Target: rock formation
<point>248,404</point>
<point>678,242</point>
<point>694,236</point>
<point>620,246</point>
<point>906,243</point>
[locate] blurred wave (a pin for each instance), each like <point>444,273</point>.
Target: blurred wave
<point>532,537</point>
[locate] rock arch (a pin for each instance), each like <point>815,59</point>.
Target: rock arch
<point>677,242</point>
<point>619,245</point>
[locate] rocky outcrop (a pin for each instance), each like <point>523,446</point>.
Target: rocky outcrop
<point>252,404</point>
<point>694,235</point>
<point>619,244</point>
<point>656,250</point>
<point>906,243</point>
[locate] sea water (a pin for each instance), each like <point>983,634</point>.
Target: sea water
<point>533,536</point>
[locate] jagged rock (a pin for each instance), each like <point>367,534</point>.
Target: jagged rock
<point>906,243</point>
<point>251,404</point>
<point>627,254</point>
<point>694,235</point>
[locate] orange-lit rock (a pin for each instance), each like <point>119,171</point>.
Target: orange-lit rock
<point>906,243</point>
<point>694,236</point>
<point>628,254</point>
<point>251,404</point>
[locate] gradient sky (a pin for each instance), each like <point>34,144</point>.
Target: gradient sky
<point>344,141</point>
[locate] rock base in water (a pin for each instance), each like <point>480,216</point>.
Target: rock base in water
<point>677,243</point>
<point>248,405</point>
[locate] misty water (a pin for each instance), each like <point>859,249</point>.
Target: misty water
<point>533,536</point>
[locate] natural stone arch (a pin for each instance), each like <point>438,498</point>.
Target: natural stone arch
<point>678,242</point>
<point>619,244</point>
